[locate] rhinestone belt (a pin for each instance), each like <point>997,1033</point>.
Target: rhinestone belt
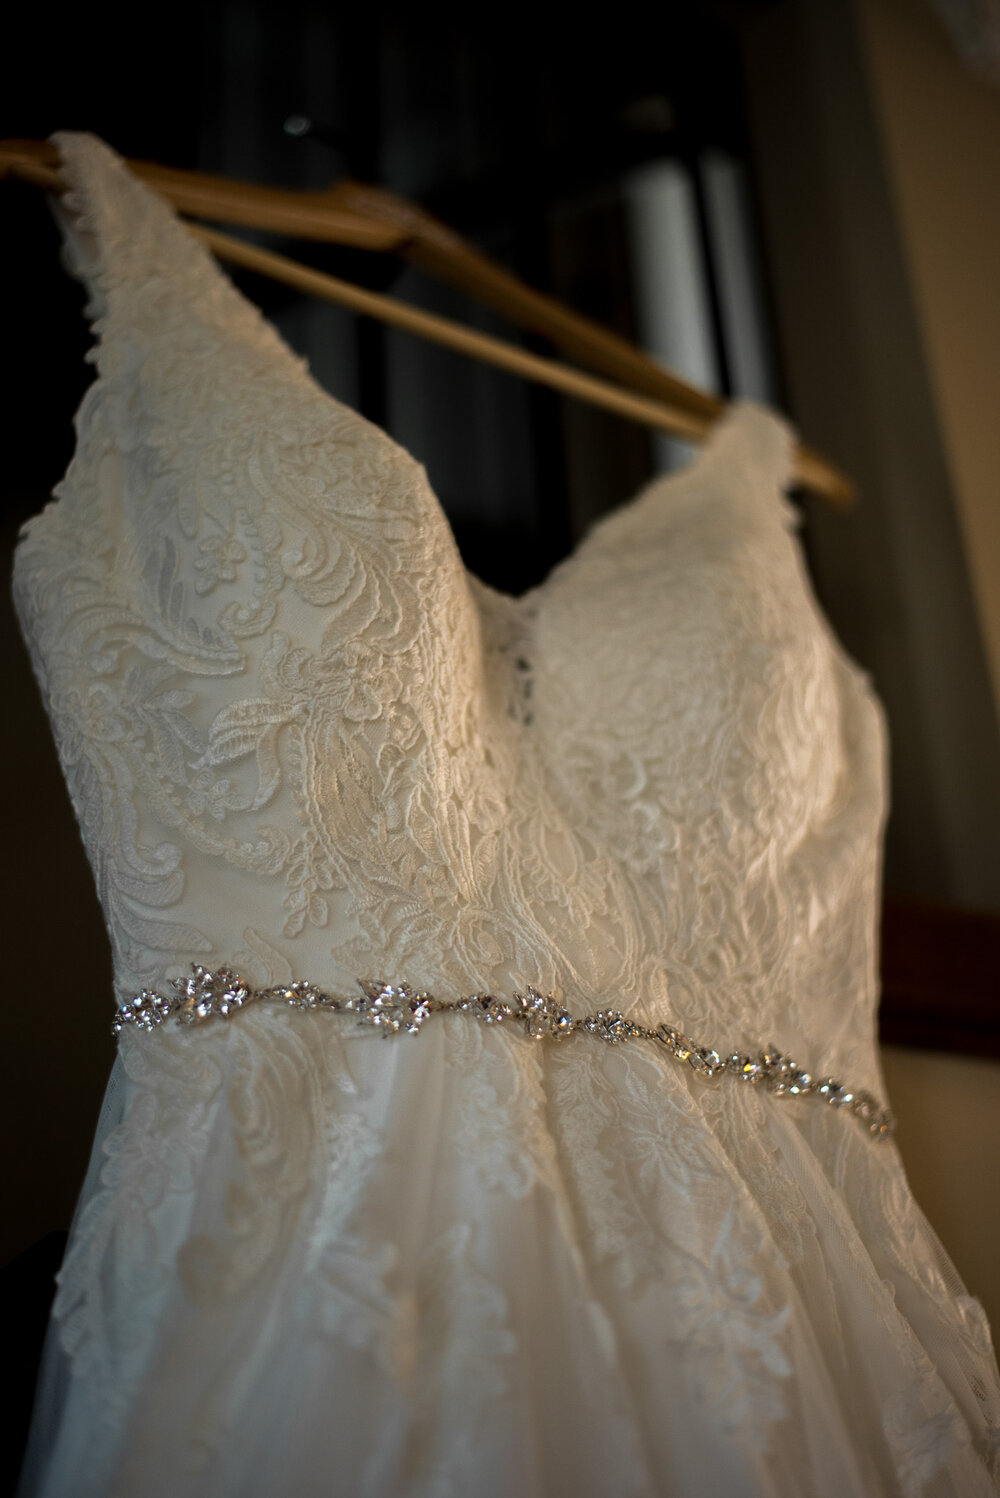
<point>392,1007</point>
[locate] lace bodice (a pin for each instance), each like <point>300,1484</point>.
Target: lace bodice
<point>298,734</point>
<point>302,739</point>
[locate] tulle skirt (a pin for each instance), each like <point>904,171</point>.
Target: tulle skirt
<point>311,1261</point>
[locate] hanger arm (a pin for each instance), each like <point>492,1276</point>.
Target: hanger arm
<point>657,413</point>
<point>497,351</point>
<point>435,248</point>
<point>303,215</point>
<point>370,217</point>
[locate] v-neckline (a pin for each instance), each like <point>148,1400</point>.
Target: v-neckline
<point>82,199</point>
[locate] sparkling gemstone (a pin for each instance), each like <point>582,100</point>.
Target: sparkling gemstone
<point>231,993</point>
<point>610,1025</point>
<point>144,1012</point>
<point>317,998</point>
<point>705,1061</point>
<point>488,1009</point>
<point>392,1007</point>
<point>543,1015</point>
<point>205,993</point>
<point>303,995</point>
<point>420,1007</point>
<point>382,1005</point>
<point>747,1068</point>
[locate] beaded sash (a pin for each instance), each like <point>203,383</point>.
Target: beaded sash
<point>392,1007</point>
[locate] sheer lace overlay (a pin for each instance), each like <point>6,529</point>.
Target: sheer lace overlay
<point>297,739</point>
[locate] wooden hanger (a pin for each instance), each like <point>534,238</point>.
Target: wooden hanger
<point>369,217</point>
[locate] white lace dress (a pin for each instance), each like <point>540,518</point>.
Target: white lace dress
<point>315,1256</point>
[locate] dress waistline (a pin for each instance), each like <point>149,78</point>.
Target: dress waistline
<point>393,1007</point>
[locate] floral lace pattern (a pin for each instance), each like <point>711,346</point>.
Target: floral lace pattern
<point>296,735</point>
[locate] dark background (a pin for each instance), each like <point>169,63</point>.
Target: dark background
<point>515,127</point>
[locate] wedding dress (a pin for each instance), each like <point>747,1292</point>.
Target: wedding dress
<point>534,1245</point>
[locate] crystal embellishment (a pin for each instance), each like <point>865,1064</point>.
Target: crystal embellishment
<point>542,1016</point>
<point>610,1025</point>
<point>391,1007</point>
